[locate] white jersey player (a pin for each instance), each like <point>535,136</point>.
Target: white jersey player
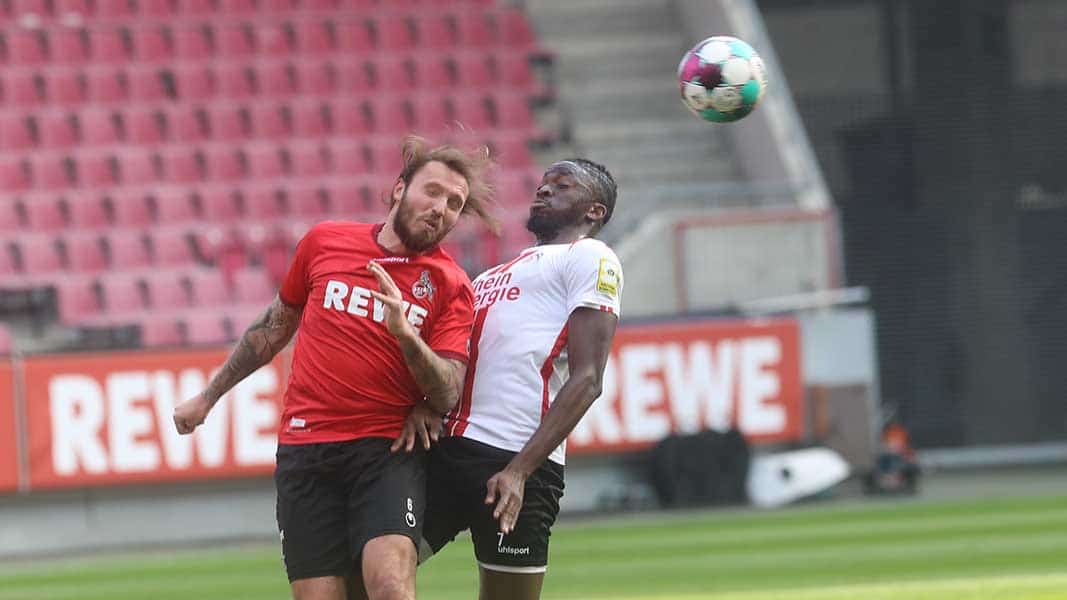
<point>543,327</point>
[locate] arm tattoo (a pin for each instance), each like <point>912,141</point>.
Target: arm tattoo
<point>260,343</point>
<point>439,379</point>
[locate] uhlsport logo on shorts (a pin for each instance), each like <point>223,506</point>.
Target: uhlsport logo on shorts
<point>502,549</point>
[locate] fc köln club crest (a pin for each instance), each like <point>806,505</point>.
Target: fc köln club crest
<point>423,287</point>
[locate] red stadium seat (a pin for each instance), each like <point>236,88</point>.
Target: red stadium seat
<point>354,37</point>
<point>171,246</point>
<point>196,8</point>
<point>391,114</point>
<point>86,211</point>
<point>127,249</point>
<point>209,288</point>
<point>156,8</point>
<point>50,171</point>
<point>262,203</point>
<point>185,123</point>
<point>316,78</point>
<point>76,299</point>
<point>235,81</point>
<point>226,123</point>
<point>146,84</point>
<point>136,168</point>
<point>15,132</point>
<point>99,127</point>
<point>85,252</point>
<point>67,45</point>
<point>393,73</point>
<point>105,85</point>
<point>131,208</point>
<point>237,7</point>
<point>20,88</point>
<point>273,39</point>
<point>313,36</point>
<point>144,126</point>
<point>473,70</point>
<point>264,161</point>
<point>275,78</point>
<point>474,29</point>
<point>56,129</point>
<point>355,78</point>
<point>160,332</point>
<point>514,73</point>
<point>308,202</point>
<point>253,286</point>
<point>513,26</point>
<point>10,217</point>
<point>106,44</point>
<point>191,41</point>
<point>512,151</point>
<point>436,30</point>
<point>205,328</point>
<point>348,158</point>
<point>94,169</point>
<point>111,9</point>
<point>310,119</point>
<point>432,116</point>
<point>14,175</point>
<point>182,165</point>
<point>233,40</point>
<point>350,118</point>
<point>434,72</point>
<point>277,6</point>
<point>512,111</point>
<point>122,294</point>
<point>38,253</point>
<point>472,110</point>
<point>308,160</point>
<point>64,87</point>
<point>149,44</point>
<point>224,163</point>
<point>320,5</point>
<point>175,205</point>
<point>44,212</point>
<point>194,82</point>
<point>348,199</point>
<point>385,156</point>
<point>25,47</point>
<point>269,121</point>
<point>394,32</point>
<point>71,10</point>
<point>219,204</point>
<point>167,290</point>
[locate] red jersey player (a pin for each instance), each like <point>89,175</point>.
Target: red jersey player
<point>543,327</point>
<point>384,318</point>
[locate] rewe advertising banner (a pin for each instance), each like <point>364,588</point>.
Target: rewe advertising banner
<point>9,466</point>
<point>105,418</point>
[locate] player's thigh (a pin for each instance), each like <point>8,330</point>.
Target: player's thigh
<point>311,513</point>
<point>388,567</point>
<point>319,588</point>
<point>525,549</point>
<point>498,585</point>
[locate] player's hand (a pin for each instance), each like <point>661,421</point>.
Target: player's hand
<point>422,425</point>
<point>188,415</point>
<point>506,489</point>
<point>389,295</point>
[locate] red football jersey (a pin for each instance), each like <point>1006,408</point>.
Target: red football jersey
<point>349,379</point>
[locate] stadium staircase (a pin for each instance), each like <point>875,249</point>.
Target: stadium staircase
<point>160,158</point>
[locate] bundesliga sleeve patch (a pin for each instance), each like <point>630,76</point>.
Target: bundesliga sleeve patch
<point>607,279</point>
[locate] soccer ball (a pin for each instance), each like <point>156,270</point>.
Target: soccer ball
<point>721,79</point>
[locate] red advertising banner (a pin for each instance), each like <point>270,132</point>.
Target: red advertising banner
<point>9,460</point>
<point>692,375</point>
<point>97,419</point>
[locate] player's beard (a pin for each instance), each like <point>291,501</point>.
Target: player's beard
<point>545,224</point>
<point>408,228</point>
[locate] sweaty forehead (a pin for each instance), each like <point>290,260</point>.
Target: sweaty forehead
<point>439,173</point>
<point>563,168</point>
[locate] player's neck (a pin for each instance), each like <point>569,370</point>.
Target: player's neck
<point>388,239</point>
<point>567,235</point>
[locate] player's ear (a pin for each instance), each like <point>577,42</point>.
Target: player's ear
<point>596,213</point>
<point>398,190</point>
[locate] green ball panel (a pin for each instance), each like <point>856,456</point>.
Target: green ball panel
<point>750,92</point>
<point>710,114</point>
<point>739,48</point>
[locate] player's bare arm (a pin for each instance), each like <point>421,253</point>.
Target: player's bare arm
<point>263,339</point>
<point>439,379</point>
<point>589,337</point>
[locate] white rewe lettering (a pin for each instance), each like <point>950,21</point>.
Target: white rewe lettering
<point>641,394</point>
<point>601,423</point>
<point>76,405</point>
<point>129,421</point>
<point>357,304</point>
<point>254,442</point>
<point>177,449</point>
<point>360,300</point>
<point>759,384</point>
<point>335,295</point>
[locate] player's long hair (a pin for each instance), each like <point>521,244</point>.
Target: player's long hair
<point>474,165</point>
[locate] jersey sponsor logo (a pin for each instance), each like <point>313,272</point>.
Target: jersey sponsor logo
<point>607,279</point>
<point>423,287</point>
<point>361,304</point>
<point>297,423</point>
<point>393,259</point>
<point>490,289</point>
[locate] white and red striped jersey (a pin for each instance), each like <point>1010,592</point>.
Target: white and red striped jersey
<point>518,358</point>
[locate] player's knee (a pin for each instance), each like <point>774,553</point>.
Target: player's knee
<point>389,586</point>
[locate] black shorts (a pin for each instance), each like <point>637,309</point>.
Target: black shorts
<point>334,497</point>
<point>455,494</point>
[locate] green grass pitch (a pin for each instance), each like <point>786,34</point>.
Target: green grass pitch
<point>960,550</point>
